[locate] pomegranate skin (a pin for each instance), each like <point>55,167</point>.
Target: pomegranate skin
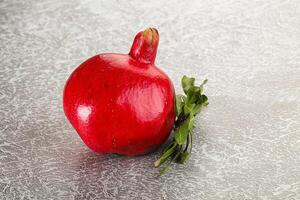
<point>119,103</point>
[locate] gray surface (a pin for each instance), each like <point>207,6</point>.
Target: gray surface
<point>248,139</point>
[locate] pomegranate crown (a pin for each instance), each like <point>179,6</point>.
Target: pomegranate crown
<point>144,46</point>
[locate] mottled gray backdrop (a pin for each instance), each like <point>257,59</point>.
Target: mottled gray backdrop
<point>247,143</point>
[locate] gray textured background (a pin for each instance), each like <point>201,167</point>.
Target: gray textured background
<point>248,139</point>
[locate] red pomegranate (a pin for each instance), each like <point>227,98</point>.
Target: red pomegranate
<point>122,103</point>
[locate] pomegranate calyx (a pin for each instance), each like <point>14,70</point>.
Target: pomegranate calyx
<point>144,47</point>
<point>151,35</point>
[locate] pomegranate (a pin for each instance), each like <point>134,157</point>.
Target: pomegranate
<point>122,103</point>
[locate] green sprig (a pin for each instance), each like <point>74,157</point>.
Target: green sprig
<point>187,107</point>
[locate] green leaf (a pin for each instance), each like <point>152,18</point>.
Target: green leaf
<point>187,83</point>
<point>202,84</point>
<point>187,106</point>
<point>183,157</point>
<point>166,155</point>
<point>197,109</point>
<point>187,109</point>
<point>180,101</point>
<point>169,164</point>
<point>191,141</point>
<point>182,132</point>
<point>203,98</point>
<point>193,94</point>
<point>191,122</point>
<point>168,147</point>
